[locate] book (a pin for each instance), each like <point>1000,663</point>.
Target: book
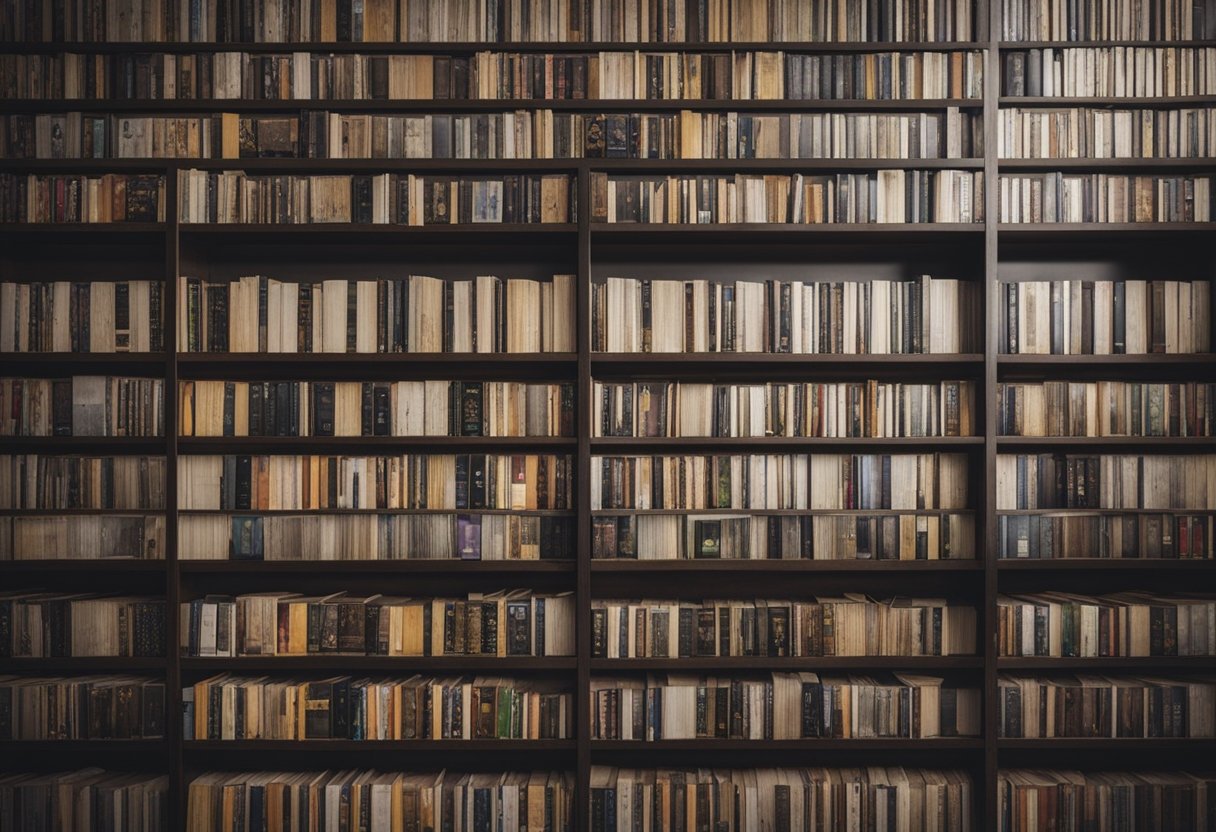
<point>290,624</point>
<point>781,706</point>
<point>1104,197</point>
<point>58,482</point>
<point>113,707</point>
<point>71,198</point>
<point>1105,408</point>
<point>853,625</point>
<point>95,317</point>
<point>432,709</point>
<point>86,798</point>
<point>1091,133</point>
<point>386,800</point>
<point>1094,706</point>
<point>793,798</point>
<point>880,317</point>
<point>206,196</point>
<point>53,625</point>
<point>828,409</point>
<point>1033,799</point>
<point>82,406</point>
<point>885,196</point>
<point>415,314</point>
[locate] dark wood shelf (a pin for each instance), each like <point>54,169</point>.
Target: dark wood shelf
<point>1057,101</point>
<point>1013,45</point>
<point>116,565</point>
<point>354,663</point>
<point>784,444</point>
<point>85,664</point>
<point>984,254</point>
<point>785,567</point>
<point>271,512</point>
<point>794,663</point>
<point>397,746</point>
<point>1173,444</point>
<point>733,746</point>
<point>371,445</point>
<point>474,105</point>
<point>462,47</point>
<point>1110,663</point>
<point>1106,565</point>
<point>378,567</point>
<point>116,445</point>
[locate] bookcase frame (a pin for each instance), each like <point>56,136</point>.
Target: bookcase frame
<point>167,248</point>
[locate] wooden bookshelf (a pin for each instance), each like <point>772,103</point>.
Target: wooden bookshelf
<point>981,252</point>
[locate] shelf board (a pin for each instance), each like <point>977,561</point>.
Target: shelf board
<point>463,47</point>
<point>782,512</point>
<point>1113,745</point>
<point>120,232</point>
<point>399,746</point>
<point>370,445</point>
<point>66,364</point>
<point>325,233</point>
<point>1013,45</point>
<point>82,565</point>
<point>732,746</point>
<point>472,105</point>
<point>85,664</point>
<point>1128,164</point>
<point>1155,361</point>
<point>783,567</point>
<point>116,445</point>
<point>674,365</point>
<point>288,512</point>
<point>622,444</point>
<point>762,233</point>
<point>1198,444</point>
<point>1078,233</point>
<point>1058,101</point>
<point>1106,564</point>
<point>1091,665</point>
<point>379,567</point>
<point>796,663</point>
<point>348,663</point>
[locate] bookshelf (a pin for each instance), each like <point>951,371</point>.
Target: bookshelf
<point>989,253</point>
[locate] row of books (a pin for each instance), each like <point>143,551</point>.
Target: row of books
<point>1124,624</point>
<point>743,75</point>
<point>538,134</point>
<point>812,409</point>
<point>1094,706</point>
<point>1035,800</point>
<point>379,199</point>
<point>1089,133</point>
<point>1104,197</point>
<point>82,406</point>
<point>433,482</point>
<point>1118,20</point>
<point>50,625</point>
<point>1106,535</point>
<point>885,196</point>
<point>373,408</point>
<point>1105,408</point>
<point>910,536</point>
<point>504,623</point>
<point>85,799</point>
<point>82,537</point>
<point>925,315</point>
<point>882,799</point>
<point>1109,71</point>
<point>92,316</point>
<point>1105,481</point>
<point>782,706</point>
<point>780,481</point>
<point>411,314</point>
<point>102,707</point>
<point>231,707</point>
<point>331,801</point>
<point>76,198</point>
<point>390,21</point>
<point>40,481</point>
<point>432,535</point>
<point>854,625</point>
<point>1105,317</point>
